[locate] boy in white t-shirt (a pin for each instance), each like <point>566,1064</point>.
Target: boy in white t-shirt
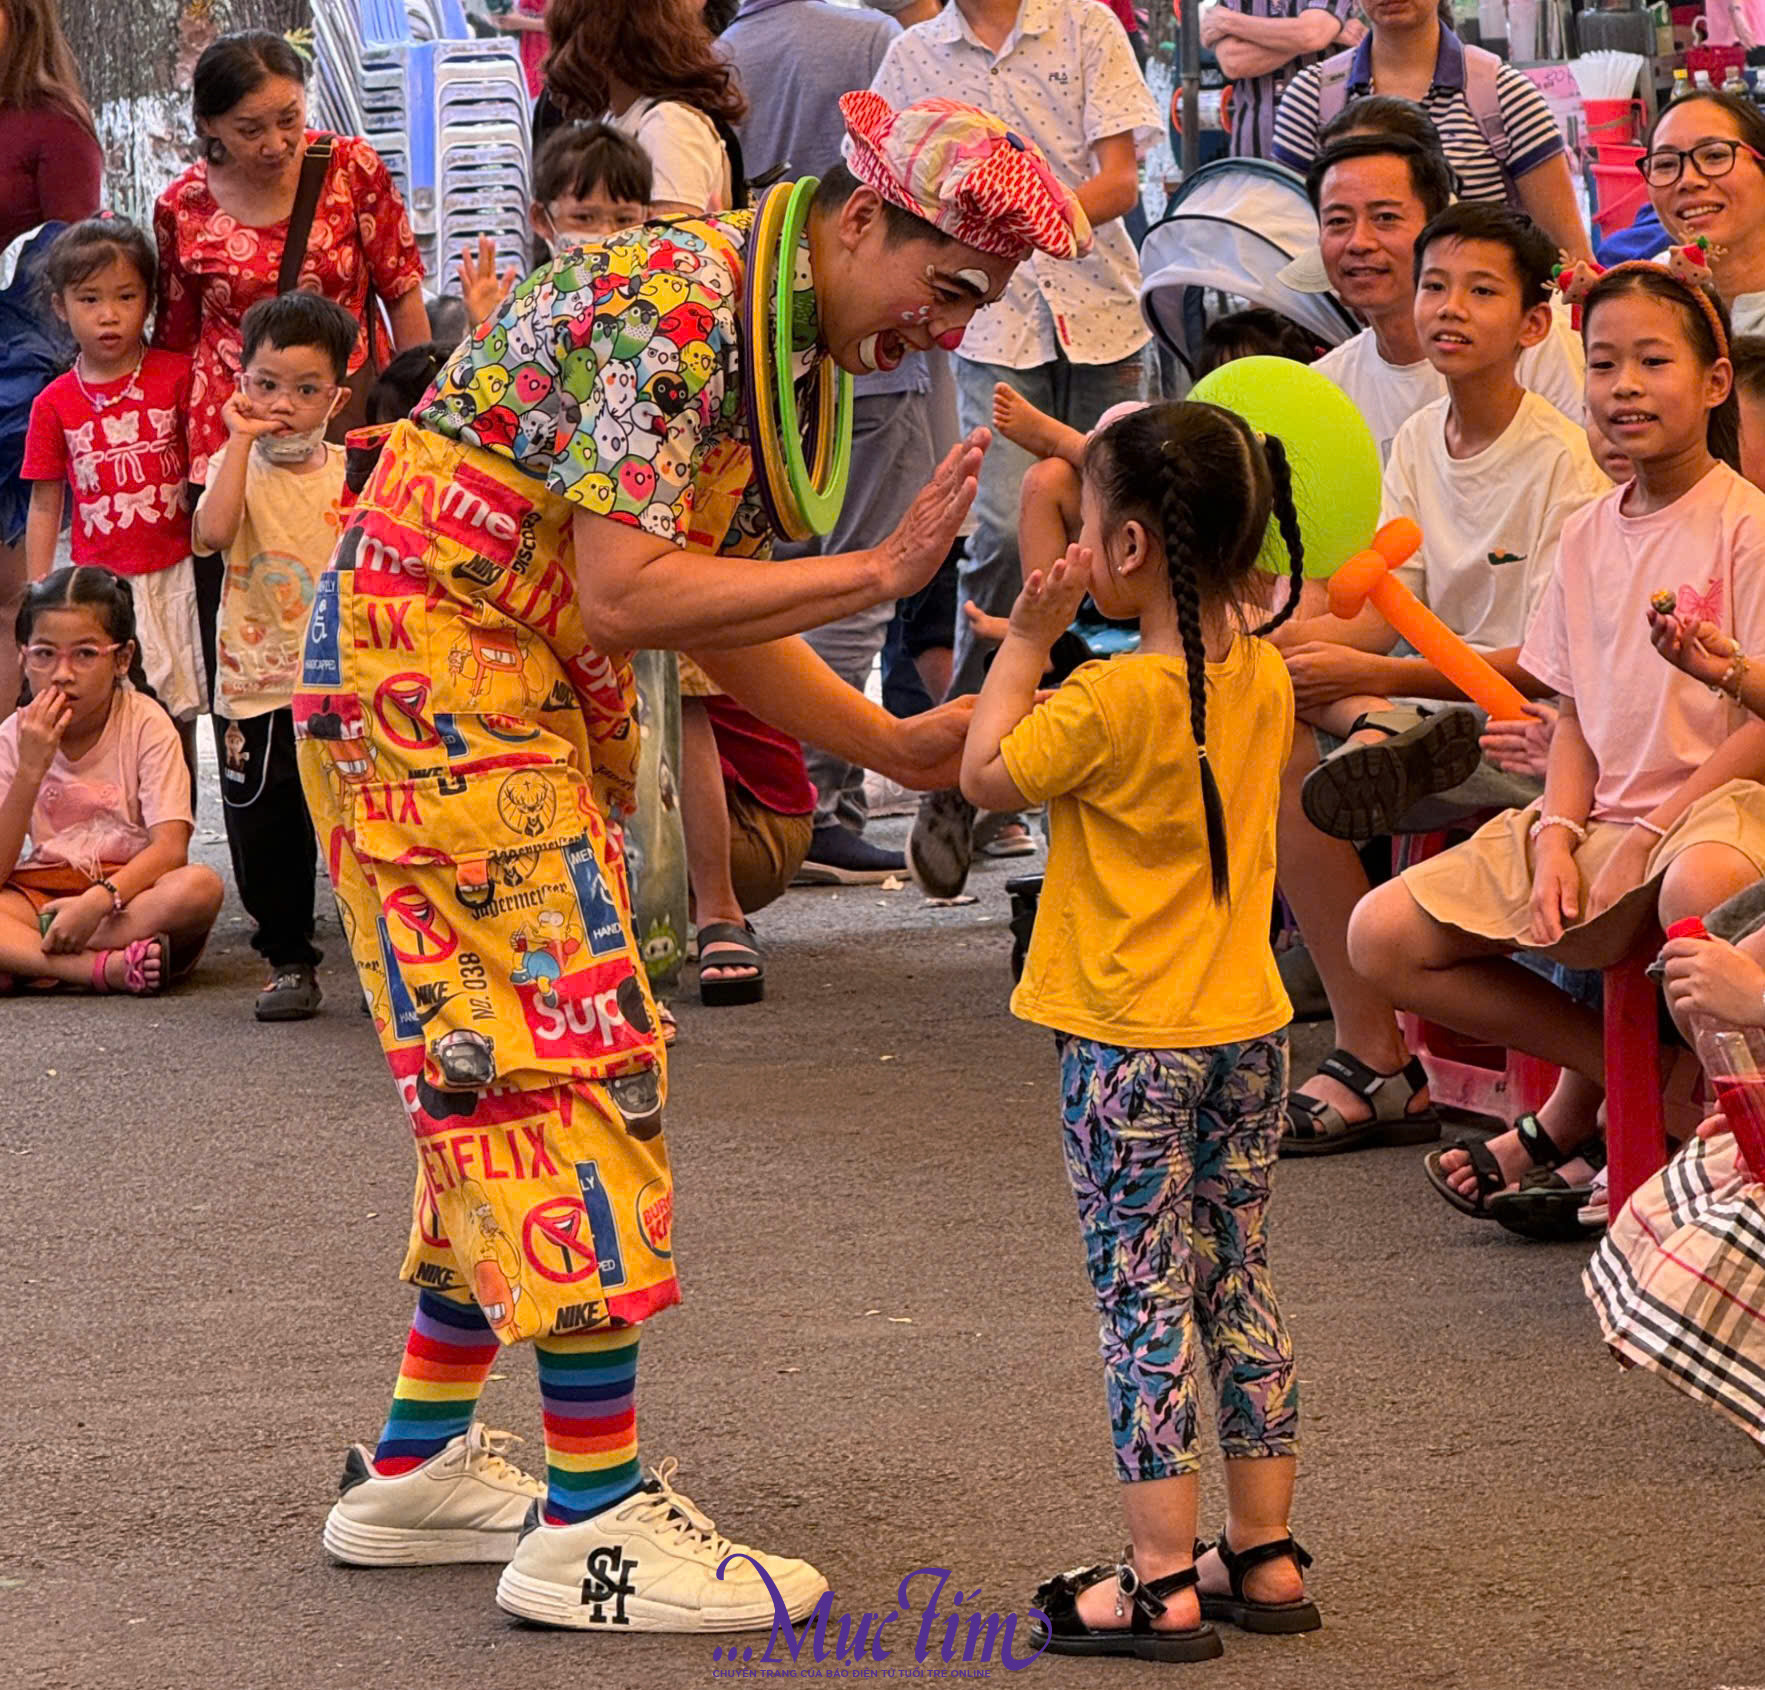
<point>1489,473</point>
<point>270,508</point>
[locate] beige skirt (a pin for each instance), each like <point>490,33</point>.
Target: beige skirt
<point>1484,887</point>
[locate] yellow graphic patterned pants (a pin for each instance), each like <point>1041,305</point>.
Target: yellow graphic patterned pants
<point>461,747</point>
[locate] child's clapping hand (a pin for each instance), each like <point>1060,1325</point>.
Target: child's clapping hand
<point>1051,598</point>
<point>482,290</point>
<point>1699,649</point>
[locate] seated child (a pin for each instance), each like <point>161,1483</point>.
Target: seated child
<point>1255,333</point>
<point>92,773</point>
<point>1048,509</point>
<point>271,508</point>
<point>589,182</point>
<point>1652,808</point>
<point>1490,473</point>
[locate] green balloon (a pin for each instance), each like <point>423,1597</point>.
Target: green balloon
<point>1334,458</point>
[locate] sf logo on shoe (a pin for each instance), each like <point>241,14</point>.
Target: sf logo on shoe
<point>608,1582</point>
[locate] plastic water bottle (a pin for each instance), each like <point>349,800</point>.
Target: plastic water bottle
<point>1733,1059</point>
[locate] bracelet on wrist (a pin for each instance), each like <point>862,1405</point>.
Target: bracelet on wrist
<point>1733,677</point>
<point>117,903</point>
<point>1651,827</point>
<point>1563,822</point>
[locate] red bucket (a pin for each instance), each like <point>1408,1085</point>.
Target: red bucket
<point>1611,121</point>
<point>1618,187</point>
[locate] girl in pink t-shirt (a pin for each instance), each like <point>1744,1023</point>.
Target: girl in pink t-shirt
<point>1651,808</point>
<point>91,772</point>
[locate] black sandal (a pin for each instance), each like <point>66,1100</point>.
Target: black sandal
<point>1315,1128</point>
<point>1067,1634</point>
<point>1272,1619</point>
<point>741,950</point>
<point>1362,791</point>
<point>1547,1208</point>
<point>1491,1181</point>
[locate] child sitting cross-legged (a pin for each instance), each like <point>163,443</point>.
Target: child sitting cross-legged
<point>93,775</point>
<point>1489,473</point>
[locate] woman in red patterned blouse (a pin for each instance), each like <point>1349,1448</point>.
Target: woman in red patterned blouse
<point>222,225</point>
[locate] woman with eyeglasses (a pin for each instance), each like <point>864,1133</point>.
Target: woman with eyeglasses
<point>223,227</point>
<point>1705,170</point>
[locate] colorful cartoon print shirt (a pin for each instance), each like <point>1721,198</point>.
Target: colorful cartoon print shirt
<point>614,376</point>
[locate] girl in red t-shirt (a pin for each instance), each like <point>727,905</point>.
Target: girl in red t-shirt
<point>112,428</point>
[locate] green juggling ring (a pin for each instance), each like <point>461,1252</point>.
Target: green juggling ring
<point>819,494</point>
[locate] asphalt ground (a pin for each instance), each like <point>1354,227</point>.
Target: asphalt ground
<point>885,1361</point>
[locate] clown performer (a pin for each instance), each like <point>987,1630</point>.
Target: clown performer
<point>579,484</point>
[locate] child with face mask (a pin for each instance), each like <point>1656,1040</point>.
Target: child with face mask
<point>589,182</point>
<point>269,508</point>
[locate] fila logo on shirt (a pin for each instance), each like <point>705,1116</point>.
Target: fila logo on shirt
<point>608,1582</point>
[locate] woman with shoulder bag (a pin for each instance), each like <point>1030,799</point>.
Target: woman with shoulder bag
<point>272,205</point>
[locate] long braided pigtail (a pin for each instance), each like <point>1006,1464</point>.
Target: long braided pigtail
<point>1179,548</point>
<point>1287,515</point>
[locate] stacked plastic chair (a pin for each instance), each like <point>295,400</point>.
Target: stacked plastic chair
<point>447,112</point>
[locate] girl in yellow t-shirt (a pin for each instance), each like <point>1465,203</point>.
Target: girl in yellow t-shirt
<point>1151,962</point>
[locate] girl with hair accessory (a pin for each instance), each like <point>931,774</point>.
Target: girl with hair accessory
<point>1151,962</point>
<point>1650,807</point>
<point>92,773</point>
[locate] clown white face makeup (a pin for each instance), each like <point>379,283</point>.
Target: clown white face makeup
<point>881,298</point>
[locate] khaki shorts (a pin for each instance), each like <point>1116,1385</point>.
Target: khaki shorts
<point>765,849</point>
<point>1484,887</point>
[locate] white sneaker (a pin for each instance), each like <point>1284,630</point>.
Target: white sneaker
<point>465,1504</point>
<point>650,1563</point>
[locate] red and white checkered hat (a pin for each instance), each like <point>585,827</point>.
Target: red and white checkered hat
<point>966,173</point>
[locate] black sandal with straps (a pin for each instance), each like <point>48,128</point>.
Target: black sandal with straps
<point>1067,1634</point>
<point>1316,1128</point>
<point>1486,1170</point>
<point>1272,1619</point>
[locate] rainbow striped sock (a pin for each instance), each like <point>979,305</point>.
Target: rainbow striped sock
<point>587,1388</point>
<point>447,1358</point>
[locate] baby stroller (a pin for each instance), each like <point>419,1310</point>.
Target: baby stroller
<point>1227,232</point>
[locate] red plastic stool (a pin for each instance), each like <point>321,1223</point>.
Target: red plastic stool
<point>1481,1079</point>
<point>1636,1125</point>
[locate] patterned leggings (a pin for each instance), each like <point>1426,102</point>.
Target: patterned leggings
<point>1169,1153</point>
